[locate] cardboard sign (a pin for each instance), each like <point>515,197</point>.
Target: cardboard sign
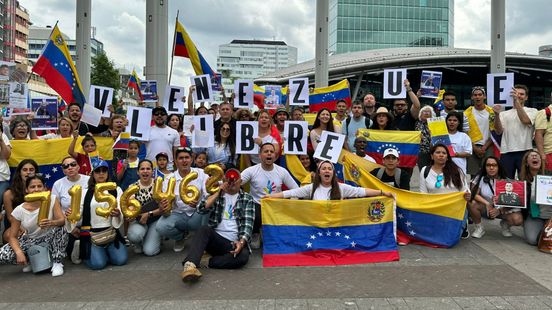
<point>499,86</point>
<point>299,91</point>
<point>245,141</point>
<point>203,89</point>
<point>295,137</point>
<point>172,102</point>
<point>330,146</point>
<point>101,97</point>
<point>139,120</point>
<point>543,186</point>
<point>244,94</point>
<point>202,136</point>
<point>91,115</point>
<point>393,84</point>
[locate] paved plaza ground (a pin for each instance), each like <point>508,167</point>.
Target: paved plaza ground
<point>489,273</point>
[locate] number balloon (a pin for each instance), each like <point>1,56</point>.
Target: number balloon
<point>44,198</point>
<point>130,207</point>
<point>188,193</point>
<point>100,196</point>
<point>76,195</point>
<point>159,194</point>
<point>215,172</point>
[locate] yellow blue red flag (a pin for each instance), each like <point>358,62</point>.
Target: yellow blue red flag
<point>407,143</point>
<point>185,47</point>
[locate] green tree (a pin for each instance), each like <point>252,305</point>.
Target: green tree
<point>105,74</point>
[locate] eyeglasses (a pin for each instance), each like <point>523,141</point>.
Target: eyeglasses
<point>71,164</point>
<point>101,170</point>
<point>22,125</point>
<point>439,181</point>
<point>225,129</point>
<point>184,148</point>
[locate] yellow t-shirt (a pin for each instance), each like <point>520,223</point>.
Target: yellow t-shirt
<point>542,123</point>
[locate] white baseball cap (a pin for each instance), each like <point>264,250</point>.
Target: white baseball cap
<point>390,151</point>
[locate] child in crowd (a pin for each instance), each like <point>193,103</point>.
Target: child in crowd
<point>161,160</point>
<point>200,160</point>
<point>127,169</point>
<point>88,145</point>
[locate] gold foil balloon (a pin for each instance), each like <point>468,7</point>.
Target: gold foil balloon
<point>100,196</point>
<point>44,198</point>
<point>215,172</point>
<point>76,195</point>
<point>159,194</point>
<point>130,207</point>
<point>188,193</point>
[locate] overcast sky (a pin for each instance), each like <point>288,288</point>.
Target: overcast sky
<point>120,25</point>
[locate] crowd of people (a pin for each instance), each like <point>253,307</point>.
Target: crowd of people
<point>226,225</point>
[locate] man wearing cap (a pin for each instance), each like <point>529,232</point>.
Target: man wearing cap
<point>279,119</point>
<point>183,217</point>
<point>517,127</point>
<point>265,178</point>
<point>405,119</point>
<point>162,137</point>
<point>226,110</point>
<point>352,124</point>
<point>360,146</point>
<point>231,216</point>
<point>481,123</point>
<point>391,174</point>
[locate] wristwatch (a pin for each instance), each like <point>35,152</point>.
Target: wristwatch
<point>150,213</point>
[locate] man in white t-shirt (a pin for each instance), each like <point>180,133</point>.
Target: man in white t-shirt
<point>183,217</point>
<point>517,127</point>
<point>461,143</point>
<point>163,139</point>
<point>265,178</point>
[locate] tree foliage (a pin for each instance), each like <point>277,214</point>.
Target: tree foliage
<point>104,73</point>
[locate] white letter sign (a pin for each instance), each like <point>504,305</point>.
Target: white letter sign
<point>139,120</point>
<point>330,146</point>
<point>299,91</point>
<point>101,97</point>
<point>245,137</point>
<point>172,102</point>
<point>393,84</point>
<point>499,86</point>
<point>295,137</point>
<point>244,94</point>
<point>203,90</point>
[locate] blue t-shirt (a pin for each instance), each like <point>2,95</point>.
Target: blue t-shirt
<point>354,125</point>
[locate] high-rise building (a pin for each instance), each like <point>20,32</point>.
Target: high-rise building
<point>14,22</point>
<point>39,36</point>
<point>364,25</point>
<point>249,59</point>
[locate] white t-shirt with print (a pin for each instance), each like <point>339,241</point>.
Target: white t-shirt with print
<point>228,227</point>
<point>266,182</point>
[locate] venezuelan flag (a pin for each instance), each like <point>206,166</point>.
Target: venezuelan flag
<point>325,233</point>
<point>438,103</point>
<point>439,133</point>
<point>185,47</point>
<point>134,83</point>
<point>258,96</point>
<point>429,219</point>
<point>327,97</point>
<point>48,154</point>
<point>407,143</point>
<point>122,141</point>
<point>56,66</point>
<point>295,168</point>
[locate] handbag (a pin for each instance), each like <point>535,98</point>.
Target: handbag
<point>545,239</point>
<point>103,237</point>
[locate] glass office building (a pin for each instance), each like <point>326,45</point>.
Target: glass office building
<point>357,25</point>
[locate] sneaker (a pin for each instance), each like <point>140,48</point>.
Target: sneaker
<point>505,229</point>
<point>179,245</point>
<point>27,268</point>
<point>465,232</point>
<point>138,249</point>
<point>255,241</point>
<point>479,231</point>
<point>75,254</point>
<point>204,262</point>
<point>57,269</point>
<point>190,272</point>
<point>127,242</point>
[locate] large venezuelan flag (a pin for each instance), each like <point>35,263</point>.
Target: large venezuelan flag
<point>327,97</point>
<point>322,233</point>
<point>134,83</point>
<point>48,154</point>
<point>185,47</point>
<point>56,66</point>
<point>407,143</point>
<point>432,219</point>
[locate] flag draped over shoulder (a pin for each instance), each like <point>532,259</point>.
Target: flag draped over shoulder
<point>48,154</point>
<point>322,233</point>
<point>407,143</point>
<point>434,219</point>
<point>134,83</point>
<point>185,47</point>
<point>56,66</point>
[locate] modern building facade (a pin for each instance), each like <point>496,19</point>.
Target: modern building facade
<point>14,30</point>
<point>249,59</point>
<point>356,25</point>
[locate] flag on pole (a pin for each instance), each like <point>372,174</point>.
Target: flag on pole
<point>185,47</point>
<point>56,66</point>
<point>134,83</point>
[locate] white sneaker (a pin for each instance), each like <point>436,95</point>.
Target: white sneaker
<point>479,231</point>
<point>57,269</point>
<point>138,249</point>
<point>255,241</point>
<point>27,268</point>
<point>75,254</point>
<point>506,232</point>
<point>179,245</point>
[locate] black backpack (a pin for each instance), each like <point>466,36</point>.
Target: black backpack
<point>398,171</point>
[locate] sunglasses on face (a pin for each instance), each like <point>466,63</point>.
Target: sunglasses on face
<point>159,114</point>
<point>71,164</point>
<point>225,129</point>
<point>439,181</point>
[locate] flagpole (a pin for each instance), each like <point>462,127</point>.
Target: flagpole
<point>174,41</point>
<point>30,75</point>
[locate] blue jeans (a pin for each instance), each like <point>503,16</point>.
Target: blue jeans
<point>175,224</point>
<point>101,255</point>
<point>145,235</point>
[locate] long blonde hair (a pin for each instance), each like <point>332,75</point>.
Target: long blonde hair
<point>525,174</point>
